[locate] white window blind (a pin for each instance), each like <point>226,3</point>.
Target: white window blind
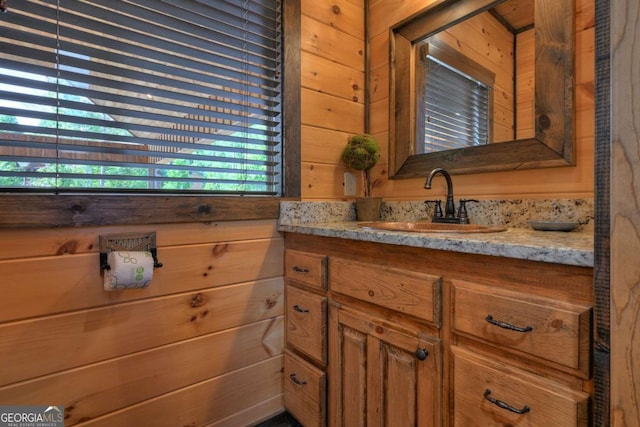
<point>141,96</point>
<point>456,109</point>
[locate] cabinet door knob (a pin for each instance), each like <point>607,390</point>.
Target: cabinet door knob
<point>504,405</point>
<point>509,326</point>
<point>422,353</point>
<point>295,379</point>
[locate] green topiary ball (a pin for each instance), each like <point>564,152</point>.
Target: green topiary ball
<point>362,152</point>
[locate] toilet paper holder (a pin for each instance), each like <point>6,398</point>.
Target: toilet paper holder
<point>127,242</point>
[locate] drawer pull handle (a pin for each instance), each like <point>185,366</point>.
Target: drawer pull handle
<point>300,310</point>
<point>295,379</point>
<point>299,269</point>
<point>505,405</point>
<point>509,326</point>
<point>422,353</point>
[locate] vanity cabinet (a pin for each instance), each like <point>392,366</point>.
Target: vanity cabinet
<point>520,329</point>
<point>382,371</point>
<point>422,337</point>
<point>305,356</point>
<point>491,393</point>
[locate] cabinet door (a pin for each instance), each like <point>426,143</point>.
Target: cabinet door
<point>380,376</point>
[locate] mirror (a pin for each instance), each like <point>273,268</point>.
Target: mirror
<point>549,139</point>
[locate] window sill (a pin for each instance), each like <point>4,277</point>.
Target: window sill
<point>52,211</point>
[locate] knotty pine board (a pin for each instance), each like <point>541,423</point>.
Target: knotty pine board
<point>98,388</point>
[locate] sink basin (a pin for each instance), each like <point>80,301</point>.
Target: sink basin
<point>430,227</point>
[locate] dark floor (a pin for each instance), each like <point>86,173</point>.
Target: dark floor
<point>282,420</point>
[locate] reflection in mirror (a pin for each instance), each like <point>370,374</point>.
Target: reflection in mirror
<point>476,73</point>
<point>455,100</point>
<point>463,77</point>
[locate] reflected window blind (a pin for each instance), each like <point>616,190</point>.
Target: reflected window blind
<point>456,109</point>
<point>142,96</point>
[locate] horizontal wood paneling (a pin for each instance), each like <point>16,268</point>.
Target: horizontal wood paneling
<point>262,411</point>
<point>58,280</point>
<point>323,75</point>
<point>98,389</point>
<point>322,164</point>
<point>27,243</point>
<point>332,102</point>
<point>323,40</point>
<point>343,15</point>
<point>201,403</point>
<point>525,84</point>
<point>213,315</point>
<point>81,337</point>
<point>322,145</point>
<point>576,181</point>
<point>322,181</point>
<point>330,112</point>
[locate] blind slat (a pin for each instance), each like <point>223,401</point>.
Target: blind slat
<point>456,109</point>
<point>141,95</point>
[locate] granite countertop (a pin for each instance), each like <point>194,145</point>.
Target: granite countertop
<point>571,248</point>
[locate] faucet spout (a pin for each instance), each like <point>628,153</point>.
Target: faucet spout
<point>450,209</point>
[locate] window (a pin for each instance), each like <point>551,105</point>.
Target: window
<point>456,109</point>
<point>457,97</point>
<point>141,96</point>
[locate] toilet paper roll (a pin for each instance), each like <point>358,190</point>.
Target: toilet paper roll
<point>129,270</point>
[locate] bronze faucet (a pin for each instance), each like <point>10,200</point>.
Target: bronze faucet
<point>449,207</point>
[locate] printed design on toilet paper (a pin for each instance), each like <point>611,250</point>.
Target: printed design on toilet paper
<point>128,259</point>
<point>130,270</point>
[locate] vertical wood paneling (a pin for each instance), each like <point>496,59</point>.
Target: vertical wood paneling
<point>625,214</point>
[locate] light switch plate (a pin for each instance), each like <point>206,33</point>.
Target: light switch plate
<point>349,184</point>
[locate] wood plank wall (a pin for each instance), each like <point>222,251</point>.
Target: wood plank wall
<point>333,99</point>
<point>201,346</point>
<point>332,105</point>
<point>625,214</point>
<point>486,42</point>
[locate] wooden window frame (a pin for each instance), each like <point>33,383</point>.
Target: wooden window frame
<point>20,210</point>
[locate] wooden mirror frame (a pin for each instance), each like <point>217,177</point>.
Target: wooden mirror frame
<point>553,144</point>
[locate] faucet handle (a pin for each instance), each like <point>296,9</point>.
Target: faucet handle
<point>437,212</point>
<point>462,210</point>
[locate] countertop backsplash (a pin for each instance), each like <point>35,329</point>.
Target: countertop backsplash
<point>504,213</point>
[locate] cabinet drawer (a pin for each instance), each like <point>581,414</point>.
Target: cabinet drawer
<point>412,293</point>
<point>304,391</point>
<point>306,322</point>
<point>487,393</point>
<point>306,268</point>
<point>548,329</point>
